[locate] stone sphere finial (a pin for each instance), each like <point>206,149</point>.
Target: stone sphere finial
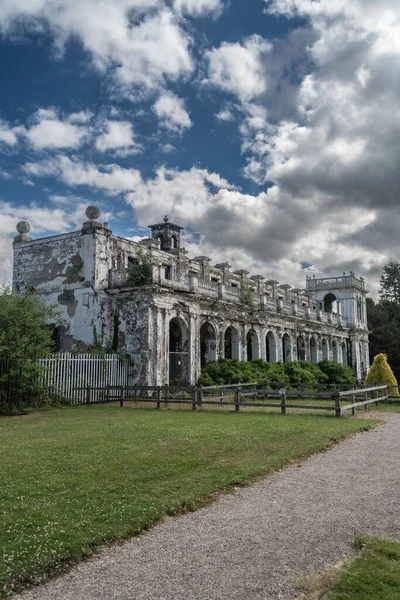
<point>166,219</point>
<point>23,227</point>
<point>92,213</point>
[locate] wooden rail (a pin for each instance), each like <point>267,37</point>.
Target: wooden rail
<point>375,399</point>
<point>194,396</point>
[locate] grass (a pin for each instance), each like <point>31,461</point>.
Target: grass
<point>372,575</point>
<point>75,478</point>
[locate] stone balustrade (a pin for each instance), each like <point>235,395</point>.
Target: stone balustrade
<point>212,289</point>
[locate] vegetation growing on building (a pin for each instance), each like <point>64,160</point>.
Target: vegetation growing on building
<point>140,270</point>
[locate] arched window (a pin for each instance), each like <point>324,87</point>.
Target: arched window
<point>174,241</point>
<point>330,304</point>
<point>325,350</point>
<point>286,348</point>
<point>253,345</point>
<point>231,343</point>
<point>178,351</point>
<point>301,348</point>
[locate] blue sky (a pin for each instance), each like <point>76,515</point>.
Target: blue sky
<point>267,128</point>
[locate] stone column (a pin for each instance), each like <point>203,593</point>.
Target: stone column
<point>194,350</point>
<point>243,340</point>
<point>221,339</point>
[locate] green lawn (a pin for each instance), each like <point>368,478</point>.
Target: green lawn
<point>74,478</point>
<point>373,575</point>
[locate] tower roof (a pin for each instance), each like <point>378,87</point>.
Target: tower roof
<point>166,223</point>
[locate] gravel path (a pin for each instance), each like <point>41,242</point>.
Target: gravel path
<point>253,544</point>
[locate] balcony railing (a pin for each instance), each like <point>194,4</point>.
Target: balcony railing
<point>182,285</point>
<point>209,288</point>
<point>118,279</point>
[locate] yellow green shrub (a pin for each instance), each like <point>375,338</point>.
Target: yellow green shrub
<point>382,374</point>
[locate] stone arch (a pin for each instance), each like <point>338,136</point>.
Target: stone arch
<point>313,350</point>
<point>231,343</point>
<point>335,351</point>
<point>252,344</point>
<point>345,361</point>
<point>271,348</point>
<point>330,304</point>
<point>301,348</point>
<point>325,349</point>
<point>174,241</point>
<point>208,343</point>
<point>178,351</point>
<point>286,348</point>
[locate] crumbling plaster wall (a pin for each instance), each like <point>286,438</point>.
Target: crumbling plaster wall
<point>62,269</point>
<point>130,312</point>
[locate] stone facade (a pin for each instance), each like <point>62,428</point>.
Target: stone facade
<point>189,312</point>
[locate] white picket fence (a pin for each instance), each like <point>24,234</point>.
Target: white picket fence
<point>68,374</point>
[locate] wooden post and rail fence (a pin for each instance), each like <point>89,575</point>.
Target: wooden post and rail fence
<point>239,396</point>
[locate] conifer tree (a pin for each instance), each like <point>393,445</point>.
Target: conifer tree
<point>382,374</point>
<point>390,282</point>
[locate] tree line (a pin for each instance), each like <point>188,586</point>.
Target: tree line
<point>384,317</point>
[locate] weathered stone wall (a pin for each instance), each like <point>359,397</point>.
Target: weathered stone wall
<point>62,270</point>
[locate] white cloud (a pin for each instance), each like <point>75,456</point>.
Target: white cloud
<point>224,115</point>
<point>50,131</point>
<point>239,68</point>
<point>111,178</point>
<point>172,113</point>
<point>140,41</point>
<point>199,7</point>
<point>321,122</point>
<point>9,135</point>
<point>118,137</point>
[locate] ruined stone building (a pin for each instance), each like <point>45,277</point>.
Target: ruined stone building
<point>186,311</point>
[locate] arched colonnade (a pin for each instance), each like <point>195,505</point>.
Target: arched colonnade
<point>244,342</point>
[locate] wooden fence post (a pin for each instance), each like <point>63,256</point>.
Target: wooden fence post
<point>88,394</point>
<point>166,394</point>
<point>194,398</point>
<point>353,410</point>
<point>365,398</point>
<point>237,400</point>
<point>337,404</point>
<point>108,393</point>
<point>282,392</point>
<point>299,389</point>
<point>159,397</point>
<point>200,395</point>
<point>121,396</point>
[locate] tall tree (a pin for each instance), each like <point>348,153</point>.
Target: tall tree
<point>390,282</point>
<point>384,326</point>
<point>23,339</point>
